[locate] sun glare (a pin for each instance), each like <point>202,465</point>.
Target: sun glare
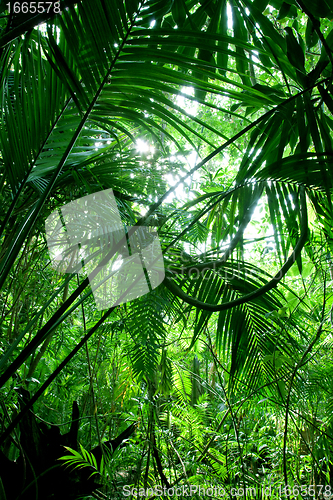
<point>144,147</point>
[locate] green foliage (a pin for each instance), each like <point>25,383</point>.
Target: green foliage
<point>225,366</point>
<point>83,459</point>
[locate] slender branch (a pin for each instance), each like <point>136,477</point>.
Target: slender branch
<point>91,382</point>
<point>298,365</point>
<point>159,463</point>
<point>233,416</point>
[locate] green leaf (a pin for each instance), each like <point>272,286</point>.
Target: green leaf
<point>222,55</point>
<point>282,388</point>
<point>295,53</point>
<point>318,8</point>
<point>240,32</point>
<point>201,73</point>
<point>287,10</point>
<point>179,12</point>
<point>311,35</point>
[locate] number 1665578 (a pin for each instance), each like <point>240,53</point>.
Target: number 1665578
<point>34,7</point>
